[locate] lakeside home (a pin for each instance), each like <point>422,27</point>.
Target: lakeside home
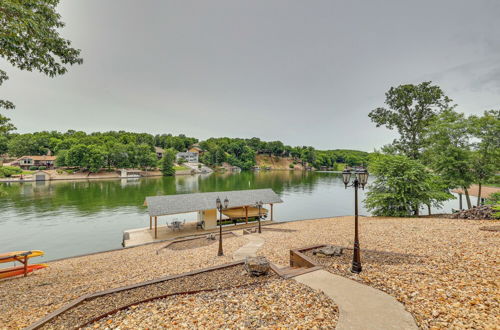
<point>188,156</point>
<point>25,162</point>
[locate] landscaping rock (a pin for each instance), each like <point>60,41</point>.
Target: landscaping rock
<point>211,237</point>
<point>329,251</point>
<point>257,266</point>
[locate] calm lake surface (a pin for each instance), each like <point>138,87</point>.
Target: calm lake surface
<point>68,218</point>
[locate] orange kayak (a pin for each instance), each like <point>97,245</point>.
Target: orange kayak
<point>19,255</point>
<point>19,270</point>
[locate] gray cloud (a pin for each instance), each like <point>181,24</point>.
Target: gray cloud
<point>303,72</point>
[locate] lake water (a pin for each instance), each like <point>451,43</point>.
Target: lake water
<point>67,218</point>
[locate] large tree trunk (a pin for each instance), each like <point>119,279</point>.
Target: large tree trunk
<point>467,198</point>
<point>479,195</point>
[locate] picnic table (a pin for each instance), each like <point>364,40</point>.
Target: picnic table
<point>176,224</point>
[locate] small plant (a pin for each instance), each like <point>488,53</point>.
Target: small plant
<point>494,199</point>
<point>496,211</point>
<point>33,168</point>
<point>291,166</point>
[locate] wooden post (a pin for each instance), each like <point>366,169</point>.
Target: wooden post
<point>272,212</point>
<point>150,222</point>
<point>25,266</point>
<point>460,201</point>
<point>156,227</point>
<point>246,213</point>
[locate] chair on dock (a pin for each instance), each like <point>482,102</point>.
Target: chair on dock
<point>200,225</point>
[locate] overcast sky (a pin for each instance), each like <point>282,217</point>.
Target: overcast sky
<point>303,72</point>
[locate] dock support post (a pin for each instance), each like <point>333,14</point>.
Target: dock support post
<point>272,212</point>
<point>156,227</point>
<point>246,214</point>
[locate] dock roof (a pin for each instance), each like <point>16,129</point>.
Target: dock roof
<point>184,203</point>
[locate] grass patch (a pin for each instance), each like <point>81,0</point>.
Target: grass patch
<point>181,168</point>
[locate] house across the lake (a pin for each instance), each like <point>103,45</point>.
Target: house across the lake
<point>159,152</point>
<point>25,162</point>
<point>190,157</point>
<point>196,149</point>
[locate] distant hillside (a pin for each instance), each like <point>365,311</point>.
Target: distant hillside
<point>277,163</point>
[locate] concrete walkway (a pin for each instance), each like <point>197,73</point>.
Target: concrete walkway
<point>249,249</point>
<point>360,306</point>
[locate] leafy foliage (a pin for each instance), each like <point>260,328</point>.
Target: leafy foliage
<point>449,153</point>
<point>30,40</point>
<point>401,186</point>
<point>167,162</point>
<point>411,108</point>
<point>8,171</point>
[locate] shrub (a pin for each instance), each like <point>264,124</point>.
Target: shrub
<point>493,199</point>
<point>8,171</point>
<point>291,166</point>
<point>42,168</point>
<point>33,168</point>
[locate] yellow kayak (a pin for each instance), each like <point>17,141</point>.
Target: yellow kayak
<point>19,255</point>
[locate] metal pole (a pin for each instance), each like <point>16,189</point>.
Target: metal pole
<point>356,259</point>
<point>260,230</point>
<point>221,253</point>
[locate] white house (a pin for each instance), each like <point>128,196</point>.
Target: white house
<point>190,157</point>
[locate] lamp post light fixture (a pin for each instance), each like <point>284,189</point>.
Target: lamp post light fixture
<point>360,180</point>
<point>259,206</point>
<point>221,207</point>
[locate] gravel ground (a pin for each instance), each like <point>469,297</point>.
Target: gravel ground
<point>26,299</point>
<point>218,279</point>
<point>276,304</point>
<point>446,272</point>
<point>450,281</point>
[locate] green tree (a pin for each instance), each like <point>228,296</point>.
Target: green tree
<point>30,40</point>
<point>410,109</point>
<point>167,162</point>
<point>62,157</point>
<point>145,156</point>
<point>486,156</point>
<point>449,152</point>
<point>401,186</point>
<point>95,158</point>
<point>76,155</point>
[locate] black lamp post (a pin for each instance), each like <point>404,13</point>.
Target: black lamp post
<point>259,205</point>
<point>360,180</point>
<point>220,207</point>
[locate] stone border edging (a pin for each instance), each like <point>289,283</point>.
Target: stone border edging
<point>90,296</point>
<point>97,318</point>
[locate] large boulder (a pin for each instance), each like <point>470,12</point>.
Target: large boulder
<point>257,266</point>
<point>329,251</point>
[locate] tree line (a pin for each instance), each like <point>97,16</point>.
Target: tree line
<point>126,149</point>
<point>242,153</point>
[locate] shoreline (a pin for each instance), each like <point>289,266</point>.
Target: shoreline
<point>117,177</point>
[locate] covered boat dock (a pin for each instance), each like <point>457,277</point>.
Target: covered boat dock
<point>241,206</point>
